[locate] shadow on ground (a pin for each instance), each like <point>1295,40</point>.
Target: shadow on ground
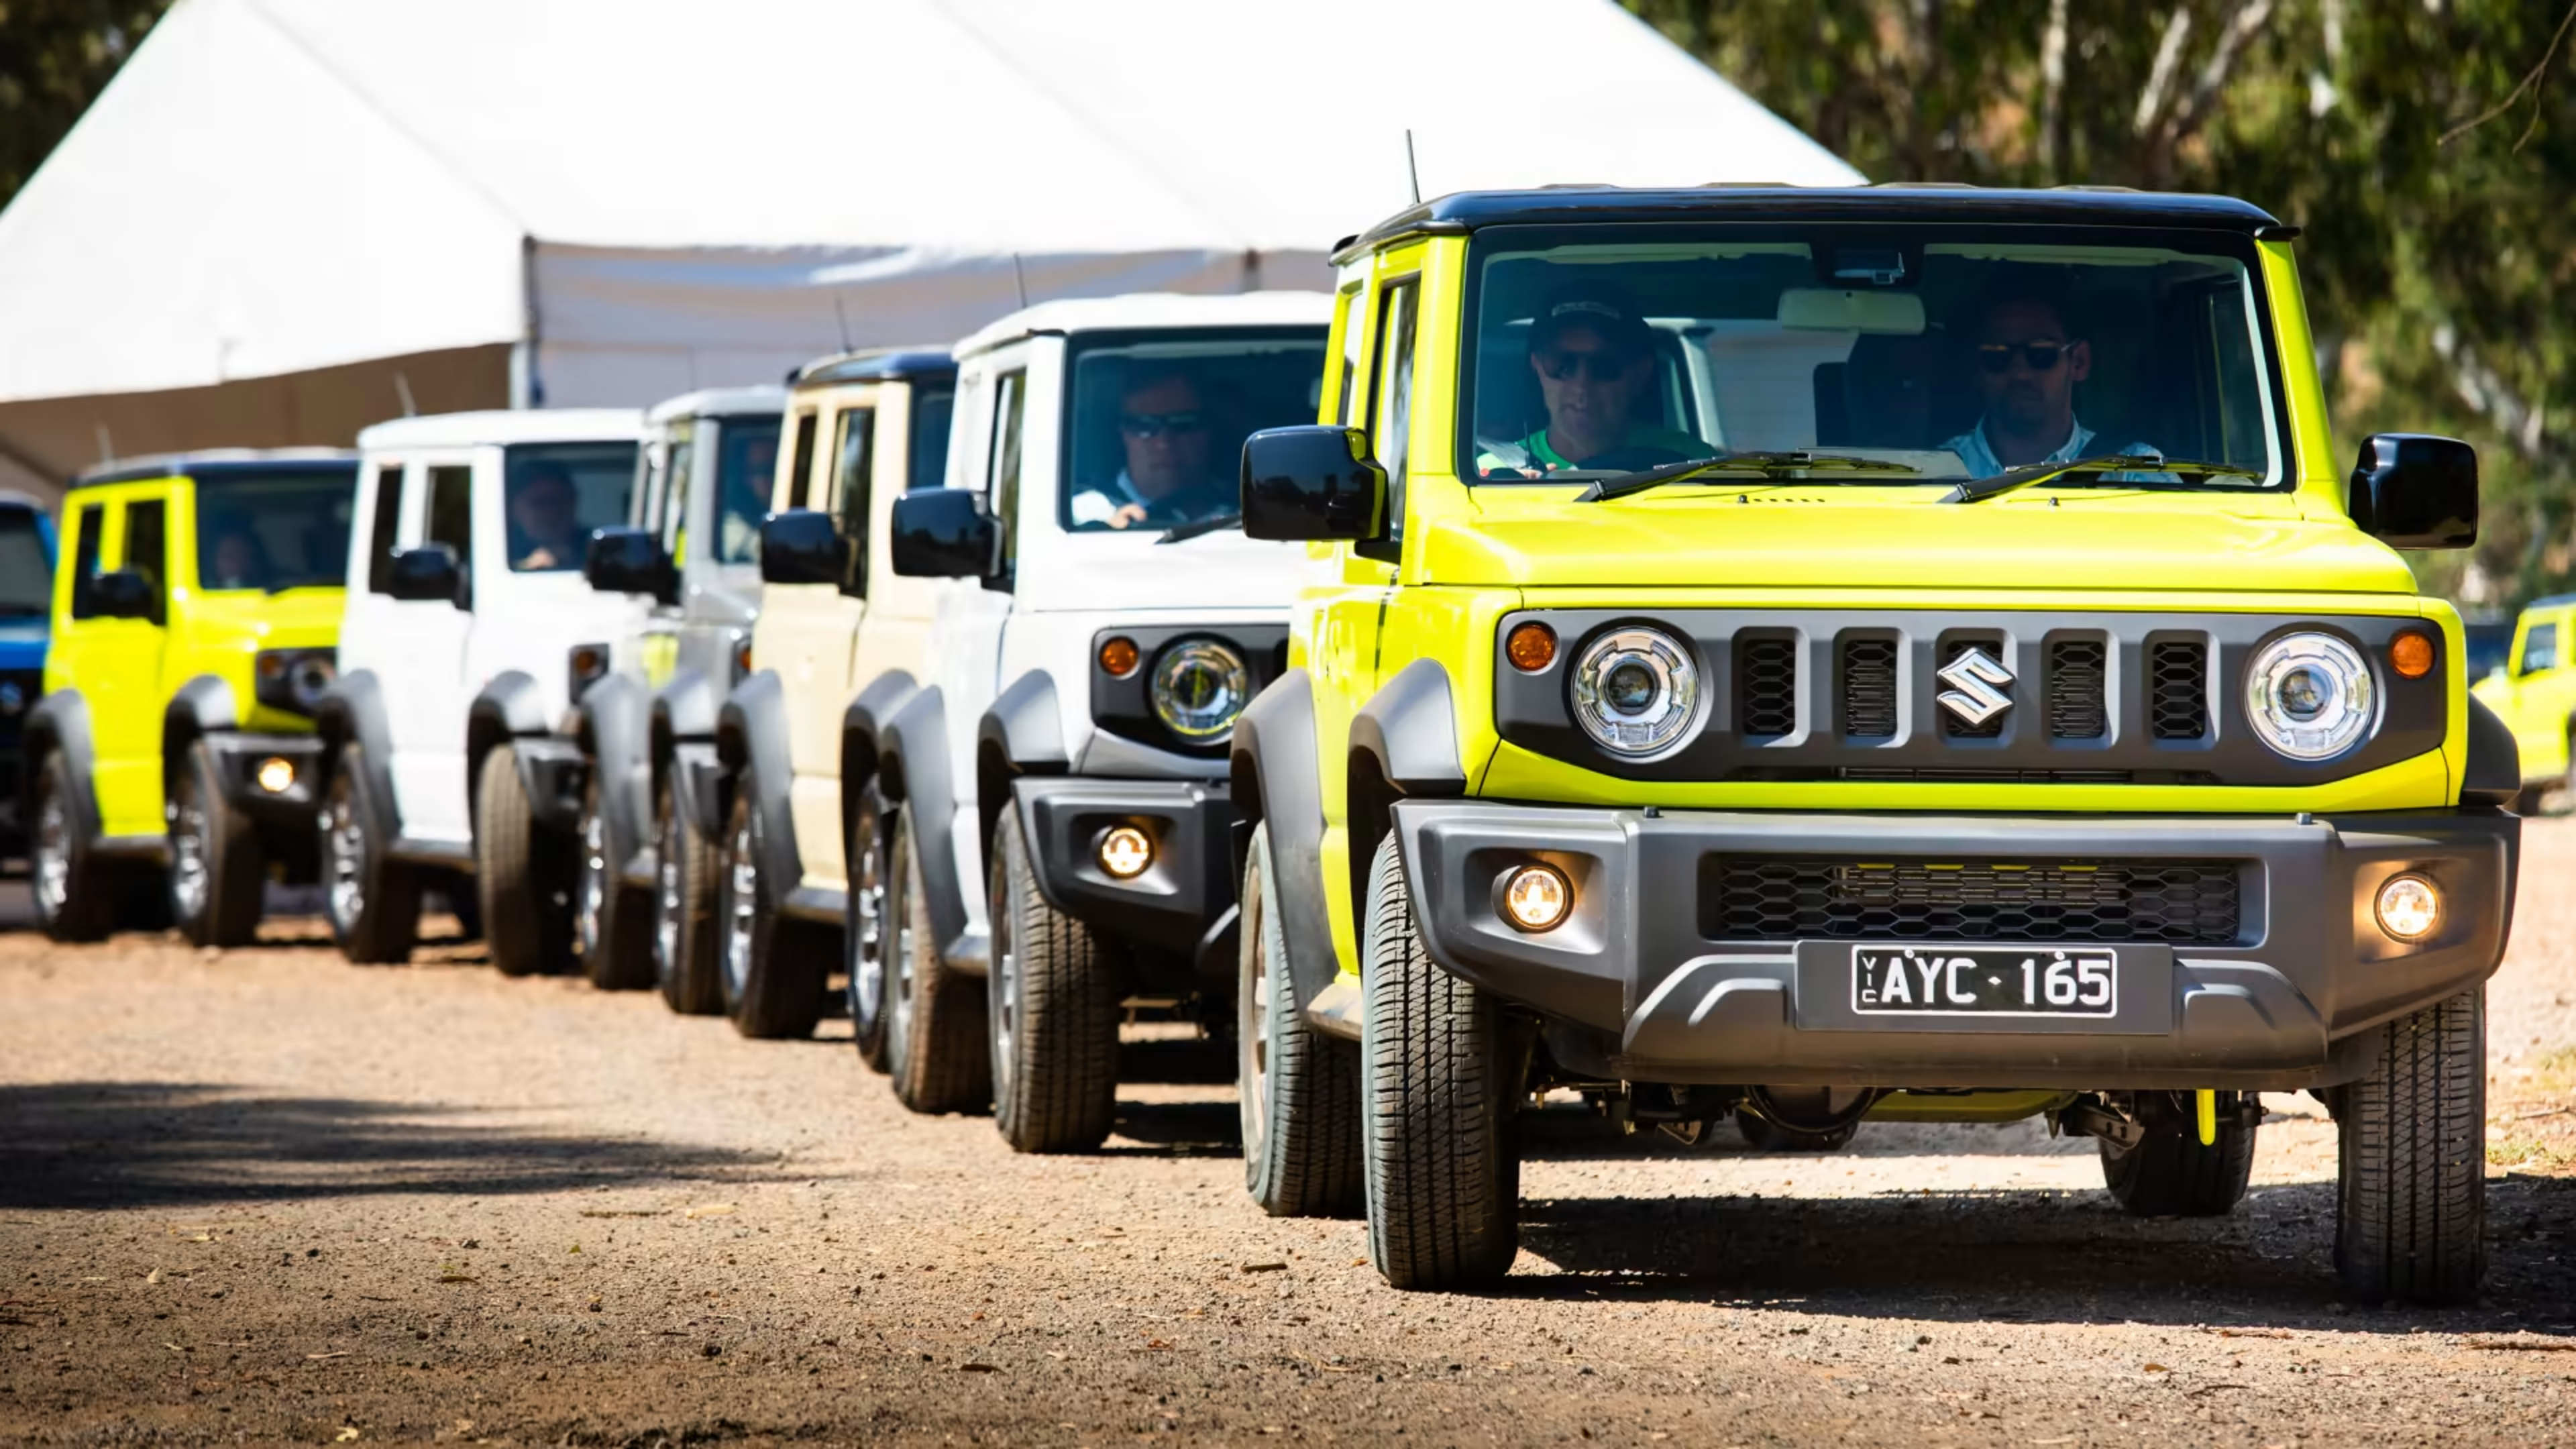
<point>139,1144</point>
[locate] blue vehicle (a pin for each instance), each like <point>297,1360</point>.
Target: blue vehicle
<point>26,606</point>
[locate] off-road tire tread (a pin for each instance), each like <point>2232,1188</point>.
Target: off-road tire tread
<point>946,1062</point>
<point>2411,1205</point>
<point>1064,1092</point>
<point>388,924</point>
<point>516,864</point>
<point>692,987</point>
<point>1443,1171</point>
<point>88,912</point>
<point>235,870</point>
<point>2170,1175</point>
<point>1308,1163</point>
<point>782,986</point>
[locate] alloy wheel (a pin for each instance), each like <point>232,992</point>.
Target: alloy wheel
<point>742,884</point>
<point>347,846</point>
<point>867,943</point>
<point>188,885</point>
<point>53,853</point>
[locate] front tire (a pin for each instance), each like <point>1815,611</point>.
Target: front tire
<point>216,869</point>
<point>2411,1175</point>
<point>934,1014</point>
<point>75,900</point>
<point>521,874</point>
<point>1052,1006</point>
<point>772,976</point>
<point>1298,1089</point>
<point>684,910</point>
<point>373,904</point>
<point>865,928</point>
<point>1440,1083</point>
<point>2169,1173</point>
<point>612,927</point>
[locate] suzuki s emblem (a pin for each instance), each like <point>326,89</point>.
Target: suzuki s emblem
<point>1977,684</point>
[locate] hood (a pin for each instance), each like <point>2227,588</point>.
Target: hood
<point>1879,538</point>
<point>291,618</point>
<point>1135,571</point>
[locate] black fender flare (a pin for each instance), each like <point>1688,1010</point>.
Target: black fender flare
<point>1021,734</point>
<point>751,744</point>
<point>862,735</point>
<point>60,721</point>
<point>510,706</point>
<point>203,706</point>
<point>610,723</point>
<point>1274,780</point>
<point>913,769</point>
<point>352,711</point>
<point>2493,774</point>
<point>1410,728</point>
<point>683,709</point>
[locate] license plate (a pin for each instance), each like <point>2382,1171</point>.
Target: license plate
<point>1927,980</point>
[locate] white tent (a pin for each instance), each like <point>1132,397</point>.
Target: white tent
<point>288,218</point>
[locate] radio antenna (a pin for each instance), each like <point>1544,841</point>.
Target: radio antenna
<point>402,390</point>
<point>843,318</point>
<point>1020,279</point>
<point>1411,169</point>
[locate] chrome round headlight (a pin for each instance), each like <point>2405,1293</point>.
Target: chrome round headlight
<point>1635,690</point>
<point>1199,687</point>
<point>2310,696</point>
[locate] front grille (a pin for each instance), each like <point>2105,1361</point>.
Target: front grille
<point>2076,705</point>
<point>2178,689</point>
<point>1953,726</point>
<point>1766,687</point>
<point>1759,898</point>
<point>1964,775</point>
<point>1869,688</point>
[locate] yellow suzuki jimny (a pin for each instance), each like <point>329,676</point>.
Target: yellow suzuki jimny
<point>1900,654</point>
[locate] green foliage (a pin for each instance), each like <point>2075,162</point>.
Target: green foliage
<point>2428,147</point>
<point>55,57</point>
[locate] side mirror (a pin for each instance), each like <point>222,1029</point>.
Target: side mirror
<point>630,561</point>
<point>425,574</point>
<point>2414,490</point>
<point>800,546</point>
<point>1310,482</point>
<point>123,594</point>
<point>944,533</point>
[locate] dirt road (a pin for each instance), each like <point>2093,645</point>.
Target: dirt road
<point>266,1196</point>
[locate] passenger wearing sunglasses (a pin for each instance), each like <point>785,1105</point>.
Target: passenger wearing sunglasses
<point>1168,478</point>
<point>2028,362</point>
<point>1594,359</point>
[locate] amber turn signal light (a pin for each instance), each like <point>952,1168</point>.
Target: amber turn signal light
<point>2411,655</point>
<point>1118,656</point>
<point>1531,646</point>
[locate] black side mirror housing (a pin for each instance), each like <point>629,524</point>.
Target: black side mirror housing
<point>1312,482</point>
<point>630,561</point>
<point>800,546</point>
<point>944,533</point>
<point>123,594</point>
<point>429,572</point>
<point>2415,490</point>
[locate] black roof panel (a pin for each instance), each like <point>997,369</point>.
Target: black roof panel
<point>216,464</point>
<point>885,366</point>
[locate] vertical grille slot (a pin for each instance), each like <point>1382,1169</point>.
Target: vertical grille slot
<point>2076,701</point>
<point>2178,689</point>
<point>1766,686</point>
<point>1953,726</point>
<point>1869,688</point>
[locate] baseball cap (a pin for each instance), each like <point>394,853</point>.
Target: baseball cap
<point>1601,308</point>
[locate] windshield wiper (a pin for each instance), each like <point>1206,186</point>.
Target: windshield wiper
<point>310,581</point>
<point>2030,473</point>
<point>1200,528</point>
<point>1769,464</point>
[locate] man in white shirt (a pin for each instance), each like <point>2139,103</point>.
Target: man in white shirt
<point>2028,363</point>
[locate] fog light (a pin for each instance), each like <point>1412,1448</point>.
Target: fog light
<point>2410,908</point>
<point>1536,897</point>
<point>276,774</point>
<point>1125,852</point>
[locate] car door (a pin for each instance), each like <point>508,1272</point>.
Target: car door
<point>2544,692</point>
<point>805,630</point>
<point>911,452</point>
<point>123,676</point>
<point>418,653</point>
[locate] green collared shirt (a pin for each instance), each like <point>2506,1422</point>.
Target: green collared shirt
<point>1535,450</point>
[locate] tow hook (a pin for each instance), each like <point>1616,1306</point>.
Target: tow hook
<point>2087,1117</point>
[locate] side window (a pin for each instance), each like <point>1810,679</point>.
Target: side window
<point>800,472</point>
<point>1391,423</point>
<point>85,529</point>
<point>386,528</point>
<point>1002,481</point>
<point>147,550</point>
<point>933,406</point>
<point>1354,307</point>
<point>2539,649</point>
<point>451,511</point>
<point>853,455</point>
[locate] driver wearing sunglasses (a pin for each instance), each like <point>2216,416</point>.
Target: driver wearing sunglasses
<point>2027,363</point>
<point>1169,451</point>
<point>1594,359</point>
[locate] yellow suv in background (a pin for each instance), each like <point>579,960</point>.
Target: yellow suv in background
<point>2535,692</point>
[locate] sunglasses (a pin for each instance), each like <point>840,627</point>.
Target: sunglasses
<point>1154,425</point>
<point>1598,366</point>
<point>2041,356</point>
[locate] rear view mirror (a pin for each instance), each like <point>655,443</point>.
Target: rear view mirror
<point>1825,309</point>
<point>1312,482</point>
<point>428,573</point>
<point>630,561</point>
<point>800,546</point>
<point>123,594</point>
<point>944,533</point>
<point>2415,490</point>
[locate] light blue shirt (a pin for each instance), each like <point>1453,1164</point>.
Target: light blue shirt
<point>1979,456</point>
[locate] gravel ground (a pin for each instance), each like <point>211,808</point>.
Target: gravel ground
<point>264,1196</point>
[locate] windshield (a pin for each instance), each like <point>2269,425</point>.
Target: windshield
<point>746,463</point>
<point>26,571</point>
<point>272,531</point>
<point>557,494</point>
<point>1158,422</point>
<point>1615,349</point>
